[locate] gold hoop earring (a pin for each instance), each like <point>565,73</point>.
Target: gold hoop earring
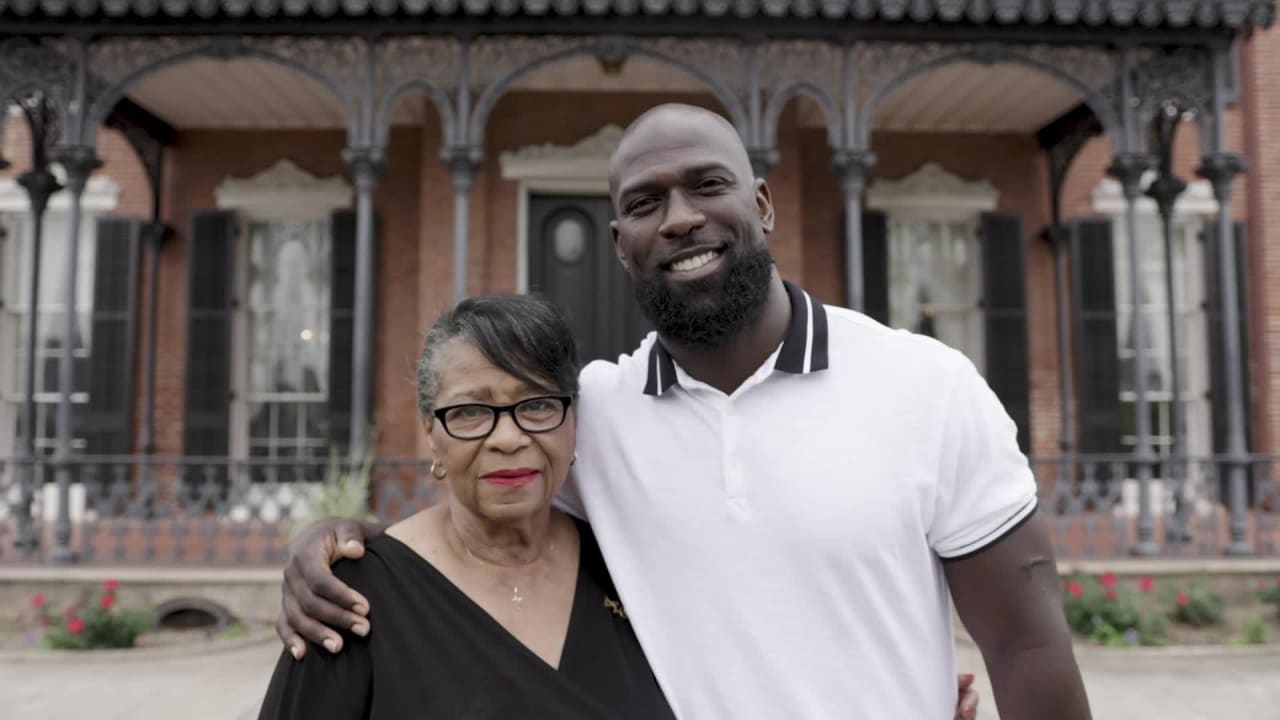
<point>440,473</point>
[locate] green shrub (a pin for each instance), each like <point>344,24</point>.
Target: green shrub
<point>1270,594</point>
<point>1196,606</point>
<point>1100,610</point>
<point>343,493</point>
<point>93,622</point>
<point>1255,631</point>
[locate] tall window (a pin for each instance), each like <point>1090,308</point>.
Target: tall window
<point>15,287</point>
<point>935,261</point>
<point>285,338</point>
<point>280,376</point>
<point>1188,313</point>
<point>935,281</point>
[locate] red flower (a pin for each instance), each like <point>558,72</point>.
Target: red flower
<point>1182,599</point>
<point>1075,589</point>
<point>1107,580</point>
<point>70,612</point>
<point>1146,583</point>
<point>110,585</point>
<point>1111,595</point>
<point>75,626</point>
<point>107,601</point>
<point>37,601</point>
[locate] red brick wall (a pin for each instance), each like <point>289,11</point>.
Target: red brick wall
<point>1262,137</point>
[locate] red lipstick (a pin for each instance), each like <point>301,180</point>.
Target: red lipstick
<point>512,478</point>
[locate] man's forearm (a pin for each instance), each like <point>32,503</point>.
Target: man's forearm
<point>1038,683</point>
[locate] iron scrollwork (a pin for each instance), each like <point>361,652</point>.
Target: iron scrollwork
<point>43,68</point>
<point>801,67</point>
<point>427,64</point>
<point>1182,78</point>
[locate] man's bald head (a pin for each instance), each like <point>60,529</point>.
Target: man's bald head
<point>673,126</point>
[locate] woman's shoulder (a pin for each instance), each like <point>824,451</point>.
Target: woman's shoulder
<point>383,558</point>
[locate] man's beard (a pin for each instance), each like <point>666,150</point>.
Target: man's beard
<point>705,314</point>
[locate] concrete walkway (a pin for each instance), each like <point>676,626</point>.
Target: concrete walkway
<point>228,685</point>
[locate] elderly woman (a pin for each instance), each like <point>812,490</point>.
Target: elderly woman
<point>491,604</point>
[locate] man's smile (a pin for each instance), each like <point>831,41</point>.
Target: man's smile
<point>695,262</point>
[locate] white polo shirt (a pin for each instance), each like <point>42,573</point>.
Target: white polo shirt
<point>778,550</point>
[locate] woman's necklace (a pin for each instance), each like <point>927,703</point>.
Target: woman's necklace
<point>516,598</point>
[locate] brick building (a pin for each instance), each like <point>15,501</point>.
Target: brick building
<point>987,145</point>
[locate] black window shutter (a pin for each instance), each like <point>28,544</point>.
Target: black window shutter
<point>1097,358</point>
<point>105,422</point>
<point>1004,292</point>
<point>341,327</point>
<point>1217,349</point>
<point>210,307</point>
<point>875,265</point>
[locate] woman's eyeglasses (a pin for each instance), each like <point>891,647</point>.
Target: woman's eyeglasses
<point>473,421</point>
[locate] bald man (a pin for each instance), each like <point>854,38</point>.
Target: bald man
<point>789,495</point>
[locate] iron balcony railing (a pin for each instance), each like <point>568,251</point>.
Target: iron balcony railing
<point>217,511</point>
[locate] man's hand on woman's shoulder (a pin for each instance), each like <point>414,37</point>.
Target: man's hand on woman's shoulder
<point>314,602</point>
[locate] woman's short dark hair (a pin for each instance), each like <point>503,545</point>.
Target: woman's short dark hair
<point>526,336</point>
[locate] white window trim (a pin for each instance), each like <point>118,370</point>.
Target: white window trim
<point>1197,199</point>
<point>578,169</point>
<point>101,195</point>
<point>284,191</point>
<point>933,193</point>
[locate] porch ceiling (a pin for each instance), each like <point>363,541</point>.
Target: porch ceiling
<point>255,94</point>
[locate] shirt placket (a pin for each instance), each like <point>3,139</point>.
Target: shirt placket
<point>735,486</point>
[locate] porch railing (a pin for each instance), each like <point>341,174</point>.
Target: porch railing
<point>217,511</point>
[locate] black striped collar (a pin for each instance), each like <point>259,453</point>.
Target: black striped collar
<point>804,350</point>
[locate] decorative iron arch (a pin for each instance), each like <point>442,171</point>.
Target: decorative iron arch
<point>778,102</point>
<point>102,102</point>
<point>1095,98</point>
<point>438,97</point>
<point>495,90</point>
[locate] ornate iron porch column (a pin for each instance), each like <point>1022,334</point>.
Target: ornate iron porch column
<point>40,185</point>
<point>78,161</point>
<point>852,167</point>
<point>366,165</point>
<point>463,161</point>
<point>1128,168</point>
<point>1165,190</point>
<point>1220,168</point>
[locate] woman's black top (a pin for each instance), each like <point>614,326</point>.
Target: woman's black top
<point>434,654</point>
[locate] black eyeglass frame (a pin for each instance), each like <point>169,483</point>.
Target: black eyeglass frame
<point>497,410</point>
